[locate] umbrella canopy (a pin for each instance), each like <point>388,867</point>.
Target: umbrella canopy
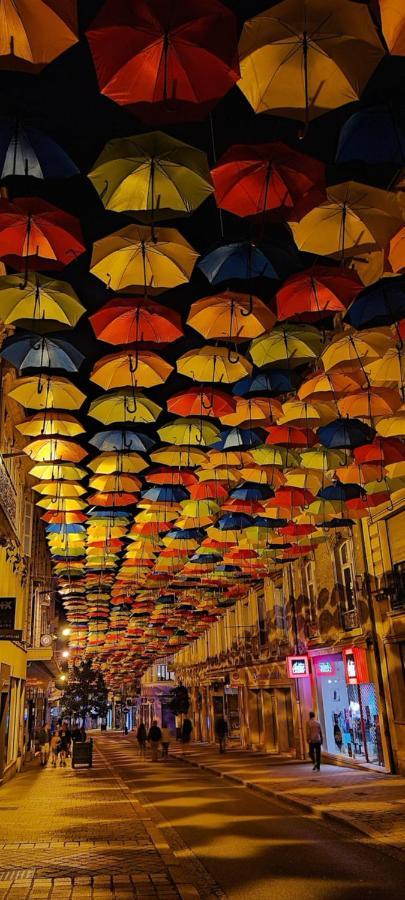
<point>230,316</point>
<point>165,63</point>
<point>345,434</point>
<point>370,404</point>
<point>257,179</point>
<point>122,440</point>
<point>25,150</point>
<point>355,348</point>
<point>124,406</point>
<point>201,401</point>
<point>34,35</point>
<point>214,365</point>
<point>46,392</point>
<point>127,320</point>
<point>107,463</point>
<point>189,431</point>
<point>242,260</point>
<point>140,368</point>
<point>301,60</point>
<point>54,450</point>
<point>273,383</point>
<point>329,386</point>
<point>392,21</point>
<point>317,293</point>
<point>34,352</point>
<point>38,303</point>
<point>35,231</point>
<point>382,303</point>
<point>138,256</point>
<point>292,345</point>
<point>374,135</point>
<point>151,176</point>
<point>50,423</point>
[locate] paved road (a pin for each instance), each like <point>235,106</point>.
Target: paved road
<point>254,847</point>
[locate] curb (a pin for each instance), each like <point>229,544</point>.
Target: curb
<point>301,805</point>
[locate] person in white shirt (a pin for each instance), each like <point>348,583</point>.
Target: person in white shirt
<point>315,740</point>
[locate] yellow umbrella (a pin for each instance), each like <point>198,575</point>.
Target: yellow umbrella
<point>57,472</point>
<point>354,217</point>
<point>46,392</point>
<point>50,423</point>
<point>54,450</point>
<point>152,176</point>
<point>291,345</point>
<point>267,455</point>
<point>217,458</point>
<point>37,302</point>
<point>388,368</point>
<point>59,489</point>
<point>263,475</point>
<point>139,368</point>
<point>253,410</point>
<point>393,25</point>
<point>182,457</point>
<point>124,406</point>
<point>307,479</point>
<point>370,404</point>
<point>107,463</point>
<point>137,256</point>
<point>302,58</point>
<point>307,415</point>
<point>219,474</point>
<point>62,504</point>
<point>354,349</point>
<point>189,431</point>
<point>330,386</point>
<point>322,459</point>
<point>115,483</point>
<point>231,316</point>
<point>213,365</point>
<point>392,426</point>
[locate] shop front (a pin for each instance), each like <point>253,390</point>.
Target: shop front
<point>348,706</point>
<point>272,723</point>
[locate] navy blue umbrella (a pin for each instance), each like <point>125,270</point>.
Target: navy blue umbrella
<point>64,528</point>
<point>344,434</point>
<point>234,522</point>
<point>25,150</point>
<point>255,492</point>
<point>237,439</point>
<point>107,513</point>
<point>336,523</point>
<point>242,260</point>
<point>165,494</point>
<point>271,383</point>
<point>121,440</point>
<point>339,491</point>
<point>186,534</point>
<point>32,351</point>
<point>382,303</point>
<point>373,135</point>
<point>263,522</point>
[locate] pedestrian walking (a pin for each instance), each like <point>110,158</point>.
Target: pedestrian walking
<point>154,738</point>
<point>64,736</point>
<point>315,740</point>
<point>221,732</point>
<point>186,732</point>
<point>166,738</point>
<point>141,737</point>
<point>44,744</point>
<point>55,746</point>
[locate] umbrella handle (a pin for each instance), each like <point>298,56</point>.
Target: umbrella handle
<point>250,309</point>
<point>132,367</point>
<point>209,405</point>
<point>232,359</point>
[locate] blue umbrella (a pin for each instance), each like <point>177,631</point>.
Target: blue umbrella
<point>339,491</point>
<point>31,351</point>
<point>26,151</point>
<point>242,260</point>
<point>382,303</point>
<point>165,494</point>
<point>186,534</point>
<point>237,439</point>
<point>344,434</point>
<point>274,383</point>
<point>107,513</point>
<point>263,522</point>
<point>255,492</point>
<point>119,440</point>
<point>206,558</point>
<point>63,528</point>
<point>234,522</point>
<point>227,567</point>
<point>373,135</point>
<point>336,523</point>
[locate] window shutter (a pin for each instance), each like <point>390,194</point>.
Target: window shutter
<point>27,538</point>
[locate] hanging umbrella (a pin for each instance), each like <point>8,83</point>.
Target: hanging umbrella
<point>121,440</point>
<point>38,303</point>
<point>138,256</point>
<point>57,472</point>
<point>356,349</point>
<point>238,439</point>
<point>396,252</point>
<point>33,352</point>
<point>382,303</point>
<point>59,489</point>
<point>342,492</point>
<point>231,316</point>
<point>151,176</point>
<point>253,410</point>
<point>189,431</point>
<point>25,150</point>
<point>107,463</point>
<point>46,392</point>
<point>165,63</point>
<point>54,450</point>
<point>37,233</point>
<point>290,436</point>
<point>115,483</point>
<point>317,293</point>
<point>302,60</point>
<point>393,425</point>
<point>50,423</point>
<point>242,260</point>
<point>178,456</point>
<point>330,386</point>
<point>124,406</point>
<point>321,459</point>
<point>167,476</point>
<point>273,383</point>
<point>139,368</point>
<point>33,35</point>
<point>393,26</point>
<point>345,434</point>
<point>258,179</point>
<point>354,217</point>
<point>213,365</point>
<point>291,345</point>
<point>370,404</point>
<point>201,401</point>
<point>312,415</point>
<point>388,369</point>
<point>372,135</point>
<point>127,320</point>
<point>274,456</point>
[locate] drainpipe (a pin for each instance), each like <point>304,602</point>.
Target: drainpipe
<point>378,664</point>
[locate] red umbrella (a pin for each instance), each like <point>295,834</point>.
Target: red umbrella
<point>317,293</point>
<point>202,401</point>
<point>38,233</point>
<point>208,490</point>
<point>166,61</point>
<point>361,507</point>
<point>295,530</point>
<point>288,436</point>
<point>127,320</point>
<point>251,179</point>
<point>381,450</point>
<point>112,499</point>
<point>166,475</point>
<point>292,496</point>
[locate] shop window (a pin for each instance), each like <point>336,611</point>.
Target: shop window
<point>398,595</point>
<point>346,576</point>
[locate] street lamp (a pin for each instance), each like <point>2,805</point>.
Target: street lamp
<point>66,632</point>
<point>65,654</point>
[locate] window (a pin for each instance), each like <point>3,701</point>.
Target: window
<point>261,612</point>
<point>398,576</point>
<point>346,576</point>
<point>310,582</point>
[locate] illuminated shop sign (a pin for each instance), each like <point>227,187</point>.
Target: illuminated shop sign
<point>324,667</point>
<point>355,660</point>
<point>298,666</point>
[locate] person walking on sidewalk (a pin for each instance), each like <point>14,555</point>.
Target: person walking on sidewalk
<point>221,732</point>
<point>186,732</point>
<point>55,747</point>
<point>141,737</point>
<point>315,741</point>
<point>154,738</point>
<point>44,740</point>
<point>166,738</point>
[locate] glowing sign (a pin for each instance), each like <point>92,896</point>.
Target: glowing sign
<point>324,666</point>
<point>298,666</point>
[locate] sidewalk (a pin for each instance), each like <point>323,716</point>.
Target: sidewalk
<point>82,834</point>
<point>367,801</point>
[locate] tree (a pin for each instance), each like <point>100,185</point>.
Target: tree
<point>179,700</point>
<point>86,693</point>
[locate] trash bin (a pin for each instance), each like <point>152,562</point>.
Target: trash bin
<point>82,754</point>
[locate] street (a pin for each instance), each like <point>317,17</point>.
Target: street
<point>130,827</point>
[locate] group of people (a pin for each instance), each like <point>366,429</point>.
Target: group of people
<point>58,744</point>
<point>160,736</point>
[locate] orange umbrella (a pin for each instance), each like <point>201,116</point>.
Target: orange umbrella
<point>139,368</point>
<point>33,34</point>
<point>370,404</point>
<point>231,316</point>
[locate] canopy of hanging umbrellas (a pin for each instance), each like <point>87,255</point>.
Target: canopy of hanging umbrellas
<point>202,248</point>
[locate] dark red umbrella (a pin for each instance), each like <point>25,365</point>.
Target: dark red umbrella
<point>202,401</point>
<point>317,293</point>
<point>381,450</point>
<point>37,234</point>
<point>127,320</point>
<point>252,179</point>
<point>167,61</point>
<point>289,436</point>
